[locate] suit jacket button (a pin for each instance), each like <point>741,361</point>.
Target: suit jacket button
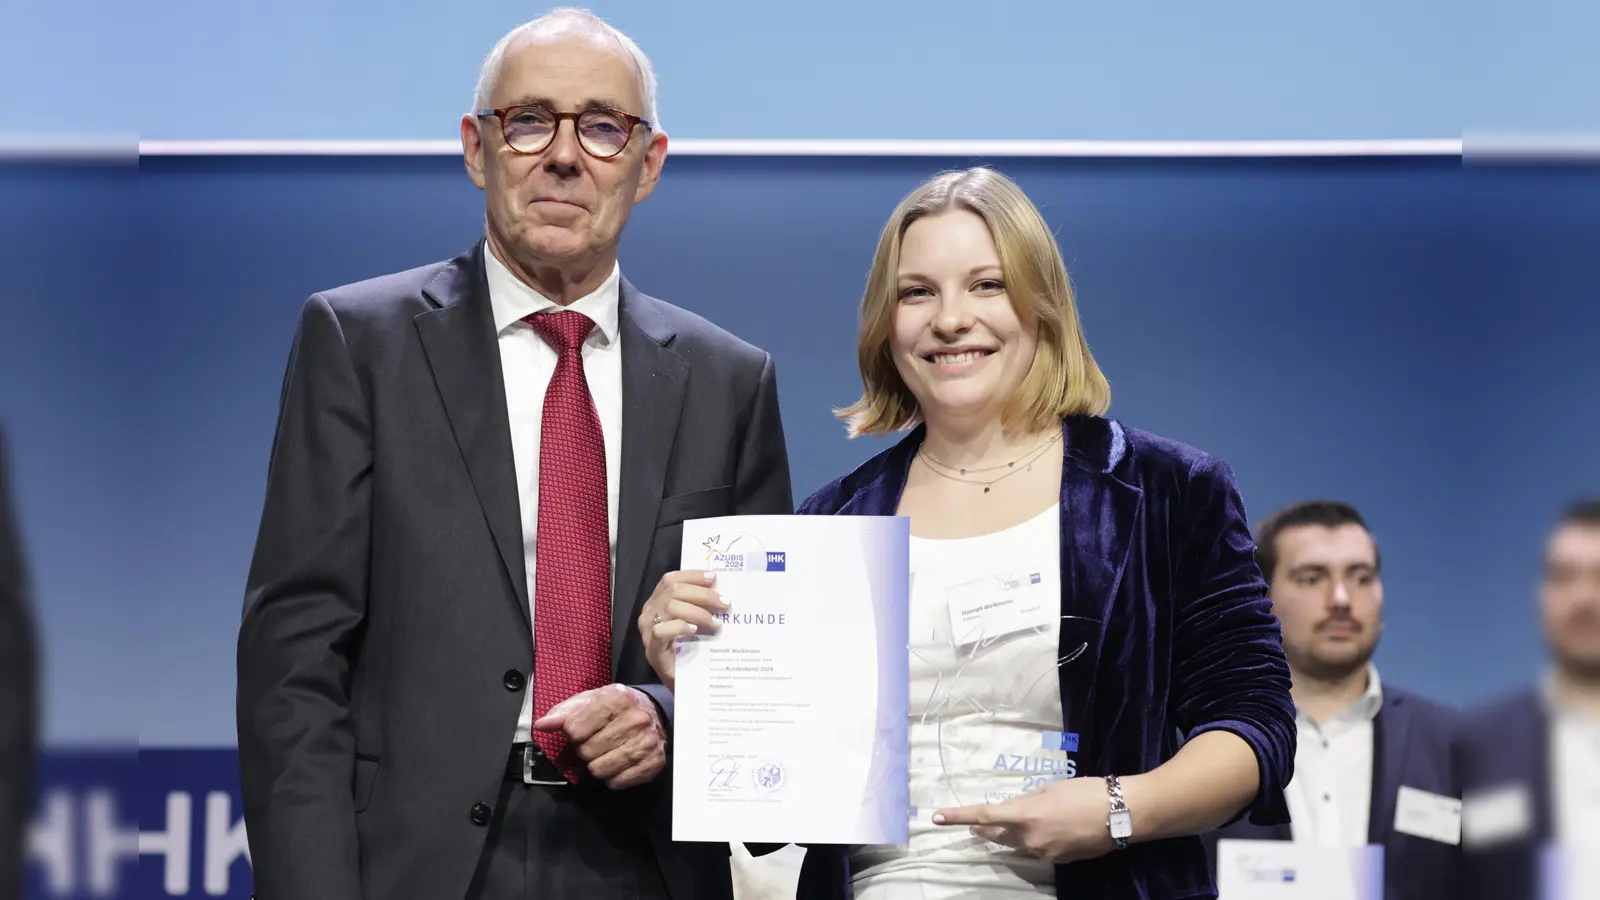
<point>514,680</point>
<point>480,813</point>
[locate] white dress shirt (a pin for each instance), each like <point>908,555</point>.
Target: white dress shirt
<point>1574,772</point>
<point>527,362</point>
<point>971,703</point>
<point>1330,796</point>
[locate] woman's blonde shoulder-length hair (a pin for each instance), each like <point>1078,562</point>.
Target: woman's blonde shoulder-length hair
<point>1064,379</point>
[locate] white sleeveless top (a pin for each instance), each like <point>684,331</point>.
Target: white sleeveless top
<point>985,711</point>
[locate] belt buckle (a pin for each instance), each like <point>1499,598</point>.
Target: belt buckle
<point>528,751</point>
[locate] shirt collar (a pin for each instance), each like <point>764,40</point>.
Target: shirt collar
<point>1366,707</point>
<point>1558,709</point>
<point>1372,699</point>
<point>512,300</point>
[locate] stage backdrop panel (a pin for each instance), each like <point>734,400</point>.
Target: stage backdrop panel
<point>1400,333</point>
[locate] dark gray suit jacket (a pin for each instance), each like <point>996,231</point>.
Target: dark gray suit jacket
<point>387,599</point>
<point>1505,745</point>
<point>1413,741</point>
<point>19,676</point>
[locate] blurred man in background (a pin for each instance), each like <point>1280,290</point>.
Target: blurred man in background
<point>18,696</point>
<point>1373,763</point>
<point>1530,763</point>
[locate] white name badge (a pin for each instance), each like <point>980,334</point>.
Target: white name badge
<point>1496,815</point>
<point>1284,870</point>
<point>1424,815</point>
<point>998,605</point>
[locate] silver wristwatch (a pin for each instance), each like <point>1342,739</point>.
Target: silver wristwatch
<point>1121,819</point>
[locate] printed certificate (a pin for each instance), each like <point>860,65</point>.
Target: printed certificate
<point>790,722</point>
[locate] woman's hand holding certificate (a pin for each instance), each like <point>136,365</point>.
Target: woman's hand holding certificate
<point>684,603</point>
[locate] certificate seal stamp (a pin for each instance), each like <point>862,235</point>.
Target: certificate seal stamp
<point>769,777</point>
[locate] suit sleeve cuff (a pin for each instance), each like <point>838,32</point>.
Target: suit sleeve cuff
<point>662,698</point>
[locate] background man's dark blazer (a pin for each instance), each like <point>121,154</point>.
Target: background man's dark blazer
<point>1173,635</point>
<point>1413,740</point>
<point>19,677</point>
<point>1506,744</point>
<point>387,600</point>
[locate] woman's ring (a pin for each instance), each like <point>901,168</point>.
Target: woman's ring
<point>656,620</point>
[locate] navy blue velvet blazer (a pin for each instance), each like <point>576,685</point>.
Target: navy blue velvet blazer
<point>1181,639</point>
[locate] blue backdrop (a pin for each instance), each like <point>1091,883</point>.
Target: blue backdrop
<point>1403,333</point>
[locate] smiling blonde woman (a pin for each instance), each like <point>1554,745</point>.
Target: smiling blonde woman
<point>1081,751</point>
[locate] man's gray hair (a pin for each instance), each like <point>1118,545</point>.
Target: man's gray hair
<point>570,18</point>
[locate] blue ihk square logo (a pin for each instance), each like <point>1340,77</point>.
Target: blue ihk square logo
<point>775,560</point>
<point>1034,578</point>
<point>1066,741</point>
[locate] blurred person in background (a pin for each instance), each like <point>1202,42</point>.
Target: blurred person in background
<point>1530,762</point>
<point>1373,761</point>
<point>18,695</point>
<point>480,471</point>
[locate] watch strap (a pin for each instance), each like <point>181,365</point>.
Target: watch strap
<point>1119,813</point>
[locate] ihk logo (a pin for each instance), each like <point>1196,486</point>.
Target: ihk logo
<point>775,560</point>
<point>164,823</point>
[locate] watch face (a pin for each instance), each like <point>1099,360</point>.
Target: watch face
<point>1122,825</point>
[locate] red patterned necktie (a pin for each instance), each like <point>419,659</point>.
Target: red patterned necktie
<point>572,572</point>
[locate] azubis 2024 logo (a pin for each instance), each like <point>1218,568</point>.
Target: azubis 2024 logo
<point>742,552</point>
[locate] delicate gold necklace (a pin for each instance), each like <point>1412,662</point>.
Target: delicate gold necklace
<point>1031,456</point>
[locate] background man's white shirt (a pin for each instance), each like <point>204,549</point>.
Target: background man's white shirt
<point>1330,796</point>
<point>1574,773</point>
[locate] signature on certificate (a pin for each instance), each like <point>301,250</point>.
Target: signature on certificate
<point>723,771</point>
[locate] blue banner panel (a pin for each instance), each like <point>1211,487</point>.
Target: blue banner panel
<point>139,824</point>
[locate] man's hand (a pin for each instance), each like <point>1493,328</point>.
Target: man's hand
<point>682,604</point>
<point>615,730</point>
<point>1064,821</point>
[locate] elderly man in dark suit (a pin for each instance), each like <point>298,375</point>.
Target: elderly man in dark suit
<point>479,475</point>
<point>1372,759</point>
<point>18,696</point>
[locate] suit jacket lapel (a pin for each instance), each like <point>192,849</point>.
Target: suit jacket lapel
<point>653,383</point>
<point>1099,513</point>
<point>1537,731</point>
<point>1099,516</point>
<point>1391,732</point>
<point>460,343</point>
<point>879,494</point>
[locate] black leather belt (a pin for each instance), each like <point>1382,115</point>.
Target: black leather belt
<point>528,764</point>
